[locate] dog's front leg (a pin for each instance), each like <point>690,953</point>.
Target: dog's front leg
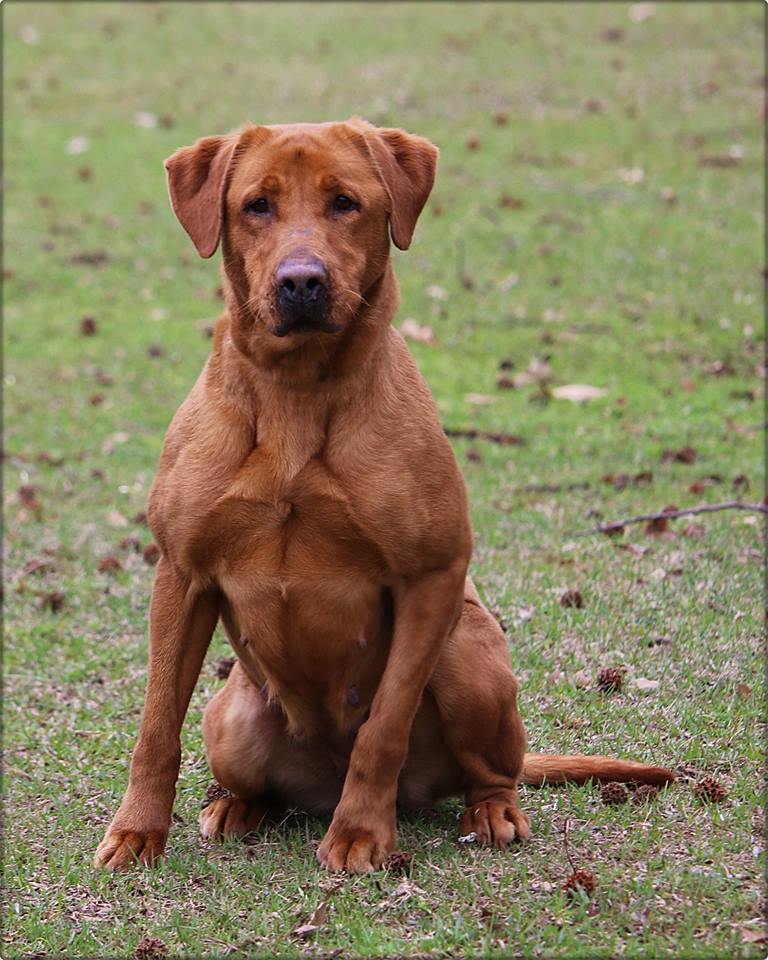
<point>362,831</point>
<point>181,622</point>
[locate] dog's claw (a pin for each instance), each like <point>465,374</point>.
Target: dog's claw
<point>121,849</point>
<point>494,823</point>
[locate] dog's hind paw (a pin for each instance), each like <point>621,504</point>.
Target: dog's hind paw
<point>230,817</point>
<point>495,822</point>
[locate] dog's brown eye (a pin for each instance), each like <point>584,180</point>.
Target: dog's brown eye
<point>342,203</point>
<point>259,205</point>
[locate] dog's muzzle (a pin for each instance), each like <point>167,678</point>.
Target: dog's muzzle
<point>301,292</point>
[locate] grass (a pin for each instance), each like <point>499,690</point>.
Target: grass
<point>648,284</point>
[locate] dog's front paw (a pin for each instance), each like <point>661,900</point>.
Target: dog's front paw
<point>496,822</point>
<point>123,848</point>
<point>357,844</point>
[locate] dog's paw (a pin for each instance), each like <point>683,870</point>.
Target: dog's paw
<point>356,848</point>
<point>124,848</point>
<point>495,822</point>
<point>230,817</point>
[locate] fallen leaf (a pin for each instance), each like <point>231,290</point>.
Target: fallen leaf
<point>720,161</point>
<point>53,601</point>
<point>109,564</point>
<point>644,685</point>
<point>694,531</point>
<point>436,292</point>
<point>145,120</point>
<point>151,554</point>
<point>116,519</point>
<point>683,455</point>
<point>578,392</point>
<point>318,918</point>
<point>753,934</point>
<point>632,175</point>
<point>91,258</point>
<point>29,34</point>
<point>77,145</point>
<point>744,690</point>
<point>640,12</point>
<point>634,548</point>
<point>415,331</point>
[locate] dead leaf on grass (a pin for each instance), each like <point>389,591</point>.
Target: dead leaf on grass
<point>640,12</point>
<point>644,685</point>
<point>318,918</point>
<point>478,399</point>
<point>578,392</point>
<point>415,331</point>
<point>683,455</point>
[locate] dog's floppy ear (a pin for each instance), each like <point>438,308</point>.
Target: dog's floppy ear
<point>196,179</point>
<point>407,165</point>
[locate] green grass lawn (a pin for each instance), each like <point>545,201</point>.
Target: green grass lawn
<point>598,211</point>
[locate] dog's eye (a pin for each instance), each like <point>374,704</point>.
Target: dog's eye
<point>342,203</point>
<point>259,205</point>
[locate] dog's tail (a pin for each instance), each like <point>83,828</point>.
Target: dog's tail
<point>540,769</point>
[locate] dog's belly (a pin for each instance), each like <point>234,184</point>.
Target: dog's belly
<point>306,606</point>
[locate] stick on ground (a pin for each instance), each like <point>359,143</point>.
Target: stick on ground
<point>614,526</point>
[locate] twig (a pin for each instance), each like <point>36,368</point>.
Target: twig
<point>616,525</point>
<point>504,439</point>
<point>565,844</point>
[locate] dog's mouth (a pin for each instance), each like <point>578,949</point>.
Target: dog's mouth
<point>303,323</point>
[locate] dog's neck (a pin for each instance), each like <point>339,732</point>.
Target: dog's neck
<point>292,395</point>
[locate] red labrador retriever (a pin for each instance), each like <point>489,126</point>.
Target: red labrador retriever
<point>308,498</point>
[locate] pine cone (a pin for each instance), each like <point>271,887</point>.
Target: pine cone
<point>398,862</point>
<point>224,667</point>
<point>708,790</point>
<point>150,948</point>
<point>610,679</point>
<point>215,791</point>
<point>580,880</point>
<point>645,792</point>
<point>614,793</point>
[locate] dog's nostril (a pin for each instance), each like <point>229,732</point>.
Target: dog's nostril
<point>300,279</point>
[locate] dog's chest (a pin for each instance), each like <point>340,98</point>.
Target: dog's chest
<point>305,590</point>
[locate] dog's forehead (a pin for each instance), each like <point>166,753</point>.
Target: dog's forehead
<point>323,148</point>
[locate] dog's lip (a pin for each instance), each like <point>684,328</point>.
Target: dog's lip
<point>303,326</point>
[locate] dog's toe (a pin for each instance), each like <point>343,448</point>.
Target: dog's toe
<point>496,822</point>
<point>230,817</point>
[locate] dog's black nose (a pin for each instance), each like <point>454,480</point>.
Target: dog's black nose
<point>301,282</point>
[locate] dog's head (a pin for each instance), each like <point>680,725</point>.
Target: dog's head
<point>304,213</point>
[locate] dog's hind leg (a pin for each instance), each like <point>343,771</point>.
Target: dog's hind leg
<point>476,695</point>
<point>253,756</point>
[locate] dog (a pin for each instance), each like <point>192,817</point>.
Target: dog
<point>308,498</point>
